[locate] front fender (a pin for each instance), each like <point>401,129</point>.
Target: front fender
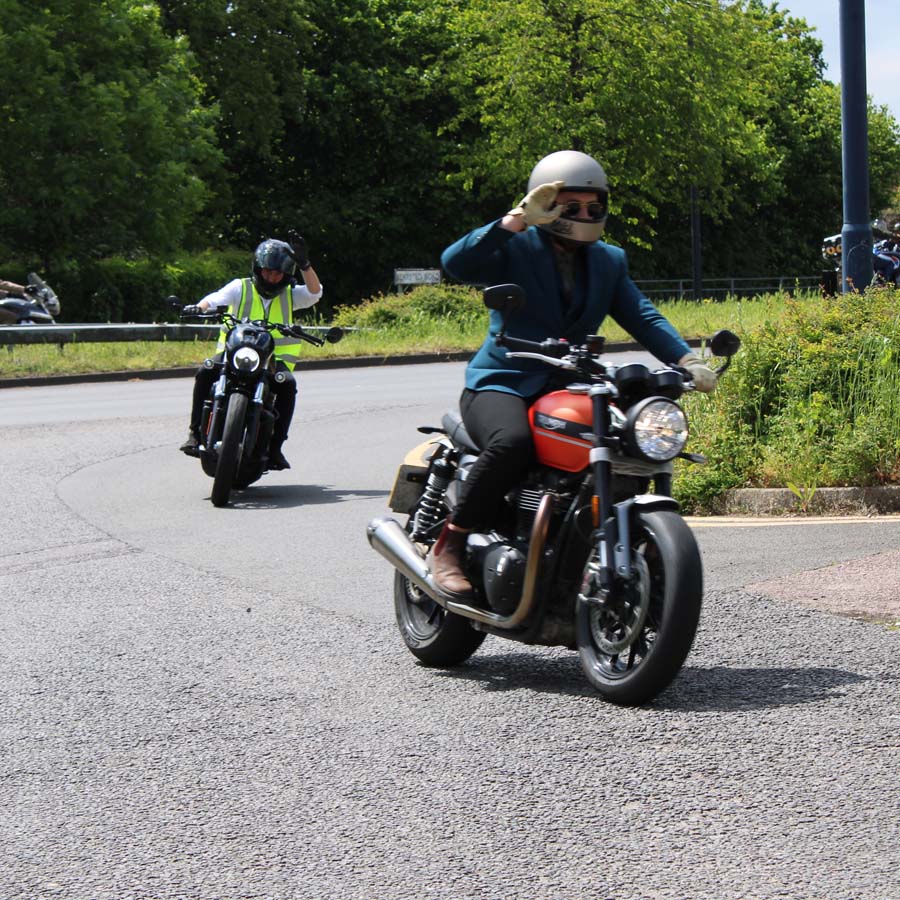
<point>650,502</point>
<point>625,513</point>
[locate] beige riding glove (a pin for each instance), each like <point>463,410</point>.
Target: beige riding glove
<point>704,377</point>
<point>535,206</point>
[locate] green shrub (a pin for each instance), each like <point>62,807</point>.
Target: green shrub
<point>422,306</point>
<point>812,399</point>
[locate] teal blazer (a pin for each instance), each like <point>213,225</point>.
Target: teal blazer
<point>603,287</point>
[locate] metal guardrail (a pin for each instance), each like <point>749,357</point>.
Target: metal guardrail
<point>90,333</point>
<point>683,288</point>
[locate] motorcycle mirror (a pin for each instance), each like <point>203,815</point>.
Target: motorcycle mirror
<point>724,343</point>
<point>173,301</point>
<point>334,334</point>
<point>505,298</point>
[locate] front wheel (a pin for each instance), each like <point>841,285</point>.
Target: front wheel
<point>633,642</point>
<point>433,635</point>
<point>229,456</point>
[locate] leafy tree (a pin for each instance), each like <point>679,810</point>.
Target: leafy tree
<point>105,146</point>
<point>727,97</point>
<point>330,125</point>
<point>776,225</point>
<point>653,89</point>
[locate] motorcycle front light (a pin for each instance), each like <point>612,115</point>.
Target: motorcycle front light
<point>245,359</point>
<point>657,429</point>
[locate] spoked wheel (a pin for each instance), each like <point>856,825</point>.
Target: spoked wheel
<point>229,457</point>
<point>633,643</point>
<point>433,635</point>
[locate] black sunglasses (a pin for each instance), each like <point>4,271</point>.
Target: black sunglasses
<point>595,209</point>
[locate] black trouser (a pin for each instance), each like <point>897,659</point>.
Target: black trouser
<point>498,423</point>
<point>285,399</point>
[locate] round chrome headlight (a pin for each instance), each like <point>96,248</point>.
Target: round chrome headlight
<point>245,359</point>
<point>657,429</point>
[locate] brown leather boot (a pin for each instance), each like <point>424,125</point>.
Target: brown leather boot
<point>445,560</point>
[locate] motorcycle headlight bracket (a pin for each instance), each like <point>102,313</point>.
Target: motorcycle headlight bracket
<point>656,429</point>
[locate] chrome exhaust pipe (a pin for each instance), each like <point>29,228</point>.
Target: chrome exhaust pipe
<point>387,536</point>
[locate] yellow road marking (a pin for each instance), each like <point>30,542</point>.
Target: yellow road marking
<point>778,522</point>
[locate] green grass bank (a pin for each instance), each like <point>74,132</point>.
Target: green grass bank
<point>439,319</point>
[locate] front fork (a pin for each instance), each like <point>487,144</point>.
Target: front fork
<point>219,405</point>
<point>217,414</point>
<point>612,521</point>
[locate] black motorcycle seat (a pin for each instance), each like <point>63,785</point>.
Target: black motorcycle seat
<point>452,424</point>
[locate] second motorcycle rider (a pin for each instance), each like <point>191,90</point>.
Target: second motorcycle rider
<point>549,245</point>
<point>269,293</point>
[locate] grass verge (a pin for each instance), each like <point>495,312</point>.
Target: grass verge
<point>440,319</point>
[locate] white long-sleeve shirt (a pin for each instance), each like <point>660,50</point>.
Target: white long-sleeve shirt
<point>230,295</point>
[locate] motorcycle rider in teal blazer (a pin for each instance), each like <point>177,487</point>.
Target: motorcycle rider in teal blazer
<point>549,245</point>
<point>602,287</point>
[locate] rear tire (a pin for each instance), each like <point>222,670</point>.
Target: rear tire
<point>433,635</point>
<point>631,651</point>
<point>230,450</point>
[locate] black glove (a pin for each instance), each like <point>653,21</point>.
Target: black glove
<point>193,311</point>
<point>298,245</point>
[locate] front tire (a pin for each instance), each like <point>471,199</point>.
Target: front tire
<point>632,645</point>
<point>433,635</point>
<point>230,449</point>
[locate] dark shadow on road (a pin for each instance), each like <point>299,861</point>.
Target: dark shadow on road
<point>724,689</point>
<point>287,496</point>
<point>524,671</point>
<point>715,689</point>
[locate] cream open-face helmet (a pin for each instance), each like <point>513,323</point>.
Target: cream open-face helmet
<point>578,172</point>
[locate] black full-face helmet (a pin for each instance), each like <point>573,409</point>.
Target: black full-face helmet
<point>578,172</point>
<point>272,254</point>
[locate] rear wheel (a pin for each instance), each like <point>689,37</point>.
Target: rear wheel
<point>633,643</point>
<point>229,455</point>
<point>433,635</point>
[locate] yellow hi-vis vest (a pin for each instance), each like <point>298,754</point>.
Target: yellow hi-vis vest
<point>252,306</point>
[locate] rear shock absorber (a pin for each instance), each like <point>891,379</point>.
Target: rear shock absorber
<point>431,507</point>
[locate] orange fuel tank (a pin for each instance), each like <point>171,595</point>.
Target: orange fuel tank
<point>561,423</point>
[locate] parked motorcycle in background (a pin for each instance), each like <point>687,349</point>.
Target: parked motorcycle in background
<point>37,305</point>
<point>886,261</point>
<point>885,257</point>
<point>239,415</point>
<point>583,554</point>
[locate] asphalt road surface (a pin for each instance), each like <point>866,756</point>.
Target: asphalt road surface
<point>215,703</point>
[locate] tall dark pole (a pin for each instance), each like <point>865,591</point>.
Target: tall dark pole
<point>856,235</point>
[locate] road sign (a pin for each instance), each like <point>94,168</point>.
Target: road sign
<point>417,276</point>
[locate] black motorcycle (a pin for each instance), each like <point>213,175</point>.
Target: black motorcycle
<point>239,416</point>
<point>584,554</point>
<point>38,305</point>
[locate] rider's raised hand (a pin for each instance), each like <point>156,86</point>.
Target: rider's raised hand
<point>704,377</point>
<point>538,206</point>
<point>301,254</point>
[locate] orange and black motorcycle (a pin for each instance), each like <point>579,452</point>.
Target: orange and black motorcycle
<point>585,555</point>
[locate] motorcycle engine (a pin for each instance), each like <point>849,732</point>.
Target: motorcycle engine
<point>503,573</point>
